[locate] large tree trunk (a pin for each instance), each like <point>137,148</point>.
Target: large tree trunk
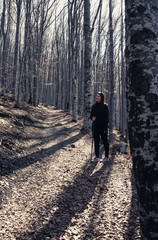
<point>142,100</point>
<point>87,66</point>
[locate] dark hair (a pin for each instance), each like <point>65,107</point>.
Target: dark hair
<point>102,97</point>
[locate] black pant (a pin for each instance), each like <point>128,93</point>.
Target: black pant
<point>98,132</point>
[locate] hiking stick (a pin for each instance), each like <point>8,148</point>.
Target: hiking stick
<point>92,139</point>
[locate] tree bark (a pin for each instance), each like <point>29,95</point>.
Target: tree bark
<point>111,75</point>
<point>75,100</point>
<point>14,86</point>
<point>142,101</point>
<point>70,55</point>
<point>124,123</point>
<point>5,33</point>
<point>87,66</point>
<point>26,52</point>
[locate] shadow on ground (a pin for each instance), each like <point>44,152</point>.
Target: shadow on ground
<point>89,233</point>
<point>133,230</point>
<point>22,162</point>
<point>73,200</point>
<point>54,135</point>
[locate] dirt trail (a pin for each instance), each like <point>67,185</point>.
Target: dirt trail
<point>53,191</point>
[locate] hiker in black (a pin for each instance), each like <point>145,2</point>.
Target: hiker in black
<point>100,117</point>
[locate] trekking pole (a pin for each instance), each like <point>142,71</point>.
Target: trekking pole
<point>92,139</point>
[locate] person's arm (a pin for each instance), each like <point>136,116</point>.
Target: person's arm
<point>92,115</point>
<point>106,117</point>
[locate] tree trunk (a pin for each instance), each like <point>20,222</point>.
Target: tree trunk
<point>14,86</point>
<point>70,56</point>
<point>99,49</point>
<point>111,75</point>
<point>124,123</point>
<point>75,100</point>
<point>4,53</point>
<point>142,103</point>
<point>87,67</point>
<point>81,89</point>
<point>26,50</point>
<point>119,94</point>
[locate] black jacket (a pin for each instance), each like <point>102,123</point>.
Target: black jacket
<point>101,112</point>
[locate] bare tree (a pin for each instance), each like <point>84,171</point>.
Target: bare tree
<point>142,101</point>
<point>27,89</point>
<point>123,112</point>
<point>16,48</point>
<point>87,66</point>
<point>111,73</point>
<point>4,33</point>
<point>70,39</point>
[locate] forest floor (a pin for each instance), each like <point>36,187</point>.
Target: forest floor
<point>50,189</point>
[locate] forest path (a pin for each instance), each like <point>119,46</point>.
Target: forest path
<point>55,192</point>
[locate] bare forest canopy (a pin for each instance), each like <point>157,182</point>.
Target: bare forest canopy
<point>42,54</point>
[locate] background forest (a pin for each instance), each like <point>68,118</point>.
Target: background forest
<point>42,54</point>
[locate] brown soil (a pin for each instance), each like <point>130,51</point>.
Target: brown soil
<point>50,189</point>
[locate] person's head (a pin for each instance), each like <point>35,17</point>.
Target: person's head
<point>100,98</point>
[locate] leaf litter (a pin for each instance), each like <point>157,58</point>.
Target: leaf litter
<point>49,187</point>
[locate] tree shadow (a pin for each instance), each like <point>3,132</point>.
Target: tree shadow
<point>133,229</point>
<point>72,201</point>
<point>22,162</point>
<point>53,136</point>
<point>89,233</point>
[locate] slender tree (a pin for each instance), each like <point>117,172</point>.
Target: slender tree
<point>111,73</point>
<point>26,53</point>
<point>70,65</point>
<point>87,66</point>
<point>16,49</point>
<point>5,34</point>
<point>142,99</point>
<point>123,112</point>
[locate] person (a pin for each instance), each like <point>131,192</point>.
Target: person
<point>100,121</point>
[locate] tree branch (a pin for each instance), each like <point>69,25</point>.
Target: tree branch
<point>96,16</point>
